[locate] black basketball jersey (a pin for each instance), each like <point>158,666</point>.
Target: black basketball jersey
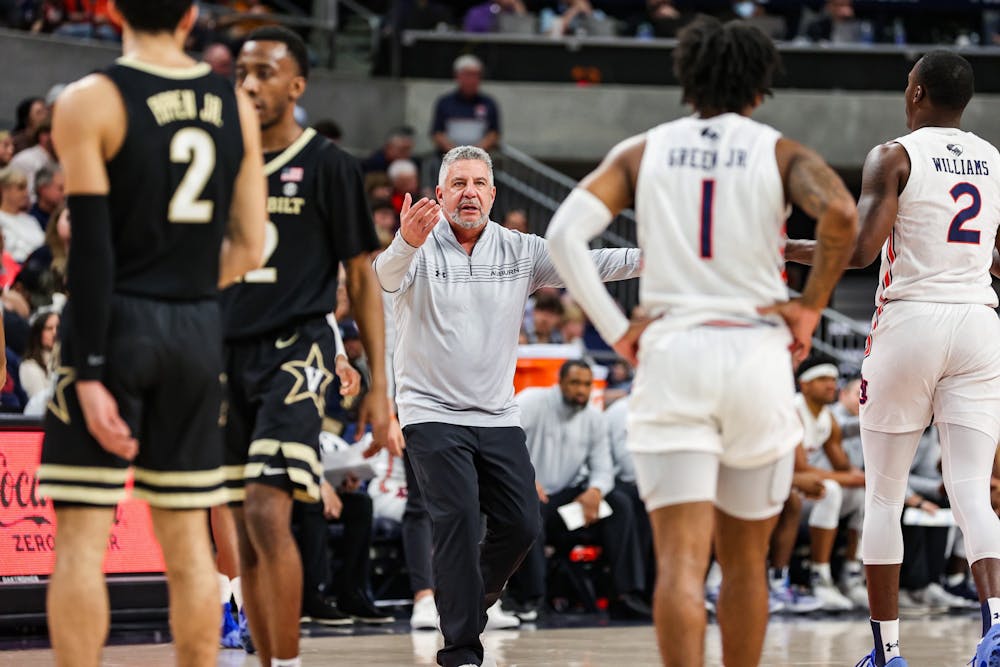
<point>318,217</point>
<point>171,183</point>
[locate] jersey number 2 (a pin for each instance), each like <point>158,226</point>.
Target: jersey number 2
<point>194,147</point>
<point>956,234</point>
<point>268,274</point>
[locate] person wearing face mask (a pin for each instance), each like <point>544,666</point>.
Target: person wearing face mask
<point>459,284</point>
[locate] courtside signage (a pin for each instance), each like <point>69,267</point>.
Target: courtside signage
<point>28,524</point>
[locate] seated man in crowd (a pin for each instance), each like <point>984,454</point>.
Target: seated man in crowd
<point>569,448</point>
<point>821,452</point>
<point>615,421</point>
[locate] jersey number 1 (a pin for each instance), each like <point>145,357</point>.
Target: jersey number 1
<point>707,202</point>
<point>956,234</point>
<point>194,147</point>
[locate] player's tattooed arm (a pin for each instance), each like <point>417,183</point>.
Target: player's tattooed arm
<point>815,188</point>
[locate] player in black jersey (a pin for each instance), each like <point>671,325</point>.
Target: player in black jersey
<point>280,352</point>
<point>166,191</point>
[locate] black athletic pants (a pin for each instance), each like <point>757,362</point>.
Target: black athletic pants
<point>462,472</point>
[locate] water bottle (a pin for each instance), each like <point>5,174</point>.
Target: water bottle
<point>867,32</point>
<point>898,32</point>
<point>645,31</point>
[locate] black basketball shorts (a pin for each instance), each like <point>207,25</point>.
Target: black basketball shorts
<point>164,368</point>
<point>276,389</point>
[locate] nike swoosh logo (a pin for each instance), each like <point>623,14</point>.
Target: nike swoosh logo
<point>282,344</point>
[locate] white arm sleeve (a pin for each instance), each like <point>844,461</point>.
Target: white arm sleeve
<point>580,218</point>
<point>338,340</point>
<point>391,266</point>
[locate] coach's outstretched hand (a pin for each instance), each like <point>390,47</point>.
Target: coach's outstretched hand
<point>417,221</point>
<point>802,322</point>
<point>105,423</point>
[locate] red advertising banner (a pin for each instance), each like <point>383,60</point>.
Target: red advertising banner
<point>28,523</point>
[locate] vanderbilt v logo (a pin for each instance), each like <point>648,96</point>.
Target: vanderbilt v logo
<point>311,379</point>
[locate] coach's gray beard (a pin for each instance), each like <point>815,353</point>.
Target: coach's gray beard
<point>456,217</point>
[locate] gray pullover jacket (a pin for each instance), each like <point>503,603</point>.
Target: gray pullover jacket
<point>458,317</point>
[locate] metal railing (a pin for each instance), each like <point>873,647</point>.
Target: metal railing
<point>525,183</point>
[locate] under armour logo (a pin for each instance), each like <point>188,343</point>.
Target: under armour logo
<point>709,133</point>
<point>892,645</point>
<point>440,274</point>
<point>956,149</point>
<point>996,615</point>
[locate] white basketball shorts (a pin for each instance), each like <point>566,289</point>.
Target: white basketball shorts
<point>727,391</point>
<point>940,359</point>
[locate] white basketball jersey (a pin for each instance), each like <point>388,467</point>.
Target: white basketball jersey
<point>817,430</point>
<point>941,246</point>
<point>711,217</point>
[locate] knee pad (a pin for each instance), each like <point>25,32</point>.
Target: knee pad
<point>826,512</point>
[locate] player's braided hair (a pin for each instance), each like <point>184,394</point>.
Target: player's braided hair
<point>723,67</point>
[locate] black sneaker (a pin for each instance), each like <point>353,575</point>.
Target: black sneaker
<point>630,607</point>
<point>319,609</point>
<point>361,608</point>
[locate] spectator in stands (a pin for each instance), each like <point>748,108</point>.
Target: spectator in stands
<point>661,19</point>
<point>385,218</point>
<point>12,396</point>
<point>45,16</point>
<point>31,113</point>
<point>330,129</point>
<point>51,258</point>
<point>575,17</point>
<point>485,17</point>
<point>465,116</point>
<point>405,180</point>
<point>568,443</point>
<point>418,15</point>
<point>37,368</point>
<point>219,58</point>
<point>352,510</point>
<point>782,597</point>
<point>547,317</point>
<point>377,186</point>
<point>49,194</point>
<point>398,145</point>
<point>6,148</point>
<point>40,156</point>
<point>837,24</point>
<point>625,484</point>
<point>516,219</point>
<point>20,231</point>
<point>9,268</point>
<point>88,19</point>
<point>573,326</point>
<point>821,452</point>
<point>237,27</point>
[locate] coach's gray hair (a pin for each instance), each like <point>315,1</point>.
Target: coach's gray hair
<point>463,153</point>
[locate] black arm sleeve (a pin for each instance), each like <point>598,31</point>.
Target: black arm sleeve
<point>90,280</point>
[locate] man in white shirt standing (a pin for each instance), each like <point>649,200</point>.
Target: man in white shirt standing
<point>460,283</point>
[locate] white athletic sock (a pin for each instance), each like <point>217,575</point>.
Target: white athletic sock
<point>852,567</point>
<point>779,574</point>
<point>822,570</point>
<point>225,591</point>
<point>287,662</point>
<point>237,586</point>
<point>886,634</point>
